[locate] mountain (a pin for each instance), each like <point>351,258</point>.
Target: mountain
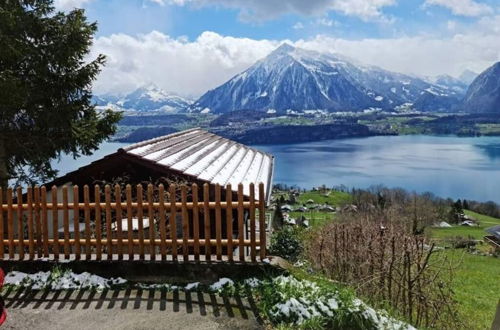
<point>483,94</point>
<point>468,76</point>
<point>298,79</point>
<point>454,85</point>
<point>144,99</point>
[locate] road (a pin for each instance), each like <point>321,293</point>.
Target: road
<point>127,309</point>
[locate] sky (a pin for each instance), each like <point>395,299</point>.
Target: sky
<point>190,46</point>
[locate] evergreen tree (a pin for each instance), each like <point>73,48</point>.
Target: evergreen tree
<point>45,89</point>
<point>465,205</point>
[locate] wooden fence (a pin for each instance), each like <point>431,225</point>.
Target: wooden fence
<point>188,223</point>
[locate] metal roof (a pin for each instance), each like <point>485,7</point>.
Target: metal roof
<point>495,231</point>
<point>208,157</point>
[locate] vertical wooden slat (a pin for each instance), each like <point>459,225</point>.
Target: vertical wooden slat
<point>31,245</point>
<point>66,221</point>
<point>109,233</point>
<point>98,222</point>
<point>38,223</point>
<point>45,225</point>
<point>119,215</point>
<point>130,229</point>
<point>262,222</point>
<point>253,234</point>
<point>229,221</point>
<point>76,222</point>
<point>86,201</point>
<point>241,233</point>
<point>196,222</point>
<point>173,222</point>
<point>1,225</point>
<point>10,223</point>
<point>161,210</point>
<point>152,233</point>
<point>206,217</point>
<point>55,223</point>
<point>185,224</point>
<point>218,222</point>
<point>140,221</point>
<point>20,225</point>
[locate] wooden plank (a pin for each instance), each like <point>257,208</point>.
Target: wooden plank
<point>45,226</point>
<point>31,240</point>
<point>196,222</point>
<point>55,223</point>
<point>206,218</point>
<point>86,202</point>
<point>262,221</point>
<point>20,224</point>
<point>76,221</point>
<point>66,222</point>
<point>135,242</point>
<point>218,222</point>
<point>173,223</point>
<point>140,221</point>
<point>38,223</point>
<point>163,234</point>
<point>98,221</point>
<point>185,223</point>
<point>1,226</point>
<point>253,231</point>
<point>118,216</point>
<point>229,221</point>
<point>152,233</point>
<point>109,233</point>
<point>241,232</point>
<point>130,230</point>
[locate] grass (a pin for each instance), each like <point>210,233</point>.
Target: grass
<point>332,197</point>
<point>477,287</point>
<point>464,231</point>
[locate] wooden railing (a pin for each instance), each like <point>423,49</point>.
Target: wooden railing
<point>213,223</point>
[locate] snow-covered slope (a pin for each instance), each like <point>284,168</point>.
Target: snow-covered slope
<point>143,99</point>
<point>483,94</point>
<point>298,79</point>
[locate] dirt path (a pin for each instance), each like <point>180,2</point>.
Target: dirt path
<point>127,309</point>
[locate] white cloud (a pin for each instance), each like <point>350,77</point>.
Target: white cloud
<point>193,67</point>
<point>69,4</point>
<point>255,10</point>
<point>158,2</point>
<point>462,7</point>
<point>325,22</point>
<point>298,26</point>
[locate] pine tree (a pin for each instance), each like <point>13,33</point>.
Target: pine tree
<point>45,89</point>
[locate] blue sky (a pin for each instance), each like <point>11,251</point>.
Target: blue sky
<point>189,46</point>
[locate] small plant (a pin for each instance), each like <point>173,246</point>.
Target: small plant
<point>287,243</point>
<point>459,242</point>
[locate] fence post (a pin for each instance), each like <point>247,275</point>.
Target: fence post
<point>118,213</point>
<point>253,231</point>
<point>66,221</point>
<point>229,221</point>
<point>20,225</point>
<point>98,221</point>
<point>196,222</point>
<point>109,233</point>
<point>218,222</point>
<point>86,201</point>
<point>1,225</point>
<point>262,222</point>
<point>76,222</point>
<point>38,224</point>
<point>206,218</point>
<point>55,223</point>
<point>152,234</point>
<point>173,222</point>
<point>130,229</point>
<point>161,210</point>
<point>241,232</point>
<point>140,221</point>
<point>29,201</point>
<point>45,227</point>
<point>185,224</point>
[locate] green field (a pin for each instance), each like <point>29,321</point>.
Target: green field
<point>476,285</point>
<point>464,231</point>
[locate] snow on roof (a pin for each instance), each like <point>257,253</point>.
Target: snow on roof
<point>495,231</point>
<point>208,157</point>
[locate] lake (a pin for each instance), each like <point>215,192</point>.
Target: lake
<point>448,166</point>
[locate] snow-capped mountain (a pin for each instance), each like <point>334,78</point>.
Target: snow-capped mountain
<point>468,76</point>
<point>298,79</point>
<point>483,94</point>
<point>454,85</point>
<point>144,99</point>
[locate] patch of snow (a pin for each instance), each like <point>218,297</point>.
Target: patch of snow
<point>393,90</point>
<point>206,110</point>
<point>192,286</point>
<point>221,283</point>
<point>379,98</point>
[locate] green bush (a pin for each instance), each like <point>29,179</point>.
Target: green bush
<point>287,243</point>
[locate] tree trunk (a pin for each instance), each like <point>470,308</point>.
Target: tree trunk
<point>4,172</point>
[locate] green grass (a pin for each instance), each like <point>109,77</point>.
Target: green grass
<point>335,198</point>
<point>464,231</point>
<point>477,287</point>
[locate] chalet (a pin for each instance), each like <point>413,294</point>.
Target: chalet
<point>186,157</point>
<point>493,236</point>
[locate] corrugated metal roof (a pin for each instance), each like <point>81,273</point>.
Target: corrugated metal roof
<point>208,157</point>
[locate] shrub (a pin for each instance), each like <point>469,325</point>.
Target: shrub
<point>459,242</point>
<point>287,243</point>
